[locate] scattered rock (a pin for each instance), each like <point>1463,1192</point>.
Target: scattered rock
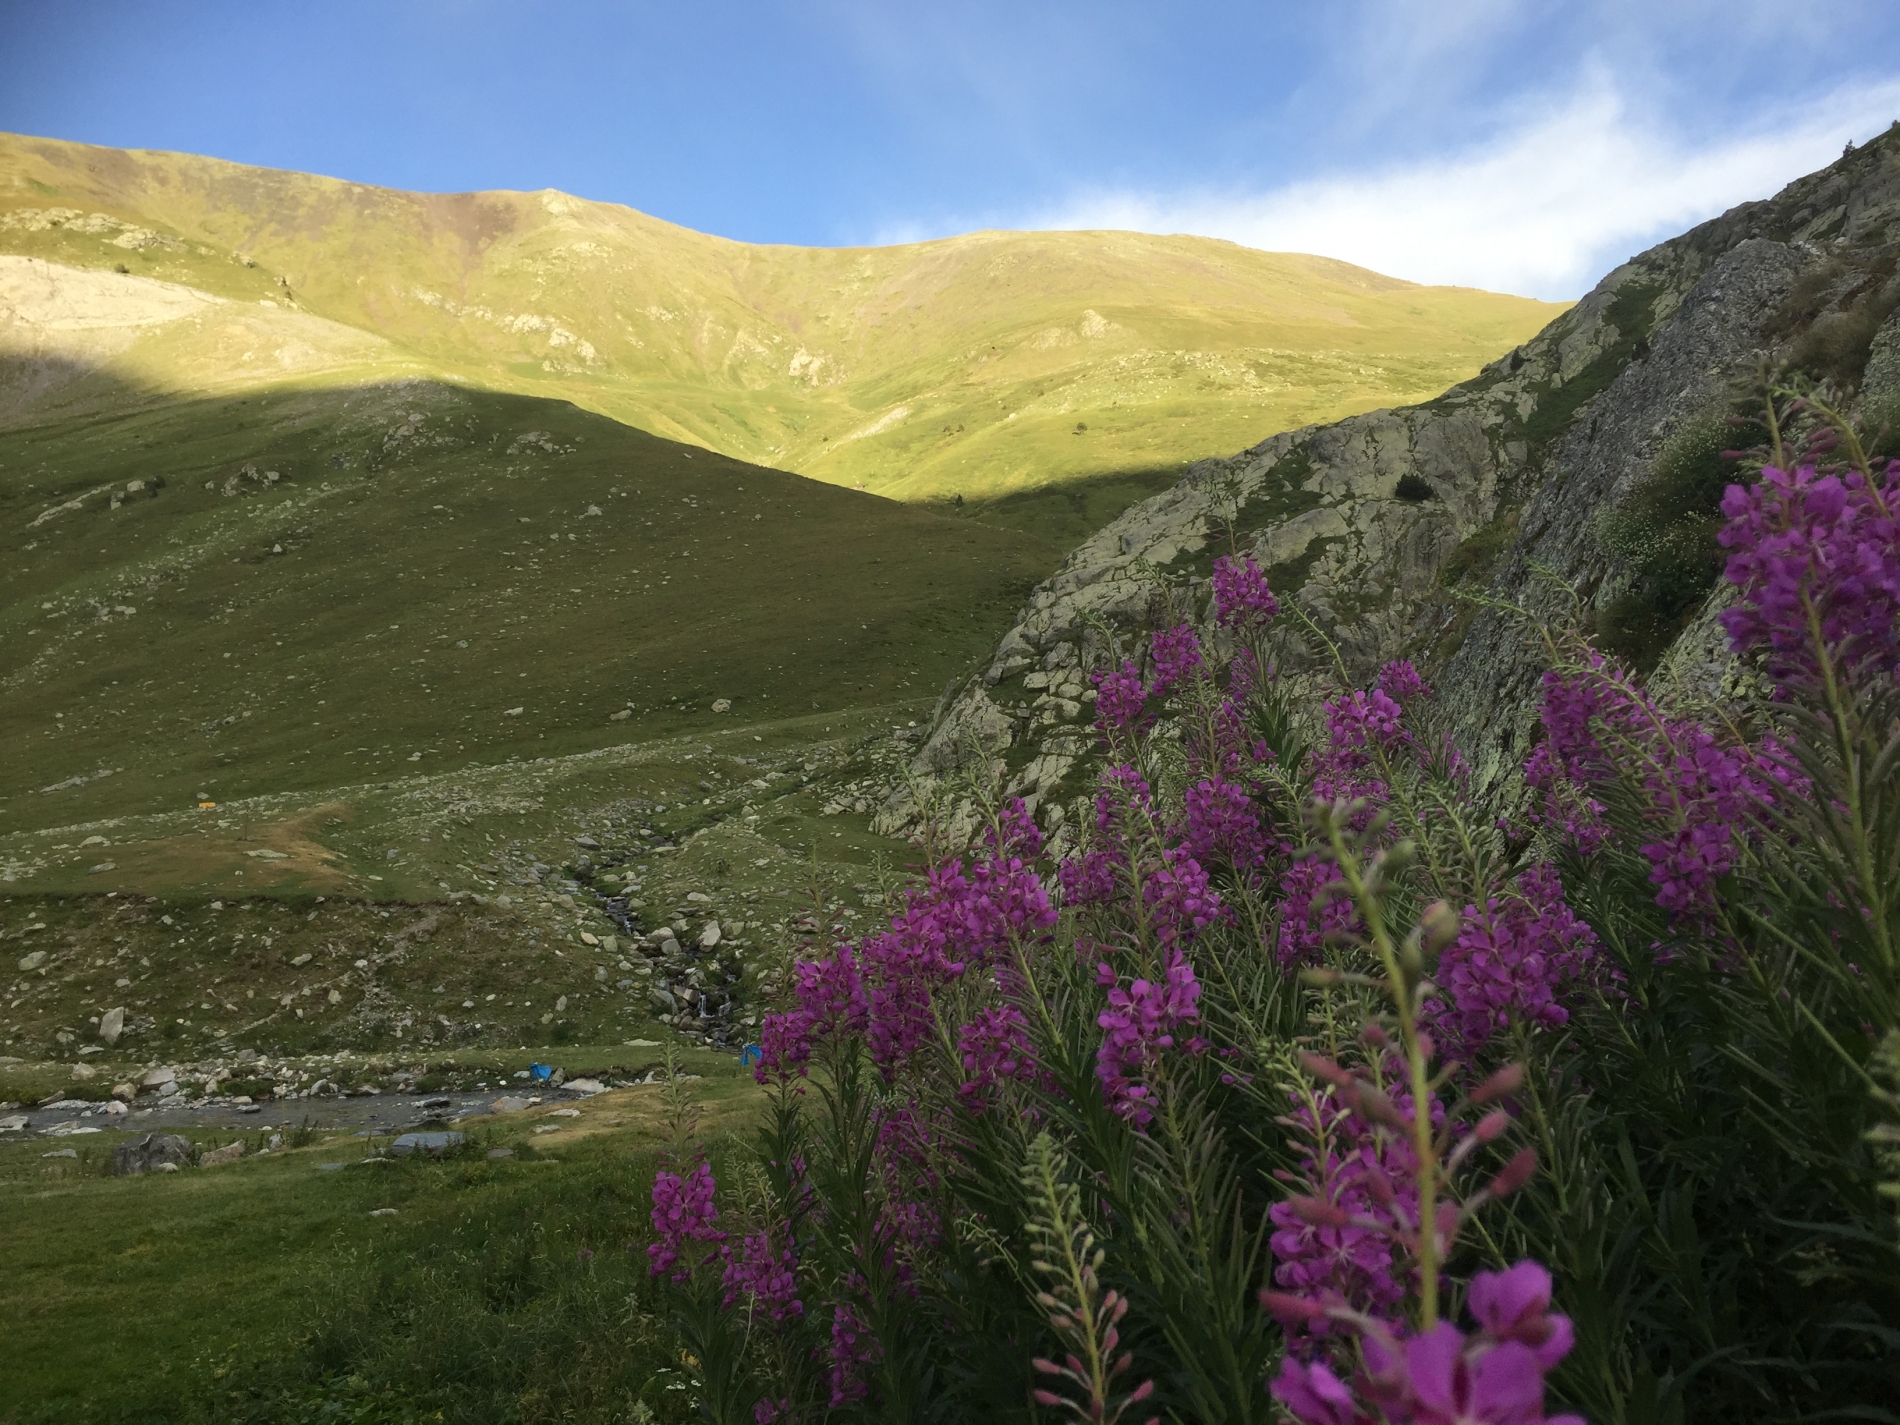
<point>62,1153</point>
<point>383,1212</point>
<point>112,1025</point>
<point>722,705</point>
<point>85,1071</point>
<point>229,1153</point>
<point>160,1079</point>
<point>510,1103</point>
<point>125,1092</point>
<point>497,1154</point>
<point>13,1123</point>
<point>32,961</point>
<point>709,937</point>
<point>154,1152</point>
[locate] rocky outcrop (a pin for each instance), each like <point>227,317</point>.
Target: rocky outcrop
<point>1375,526</point>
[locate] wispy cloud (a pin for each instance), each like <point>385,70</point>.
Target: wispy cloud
<point>1543,210</point>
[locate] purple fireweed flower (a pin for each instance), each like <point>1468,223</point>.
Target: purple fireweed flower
<point>1704,795</point>
<point>1014,833</point>
<point>1358,722</point>
<point>1315,1396</point>
<point>1816,560</point>
<point>1140,1022</point>
<point>1221,825</point>
<point>1514,1305</point>
<point>1401,682</point>
<point>995,1048</point>
<point>761,1278</point>
<point>1443,1376</point>
<point>1121,699</point>
<point>1180,900</point>
<point>853,1348</point>
<point>1340,1245</point>
<point>1313,911</point>
<point>831,1001</point>
<point>1510,963</point>
<point>1093,878</point>
<point>1177,654</point>
<point>1241,595</point>
<point>683,1211</point>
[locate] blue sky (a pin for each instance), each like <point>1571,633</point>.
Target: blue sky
<point>1525,147</point>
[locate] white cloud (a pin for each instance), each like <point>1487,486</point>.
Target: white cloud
<point>1543,211</point>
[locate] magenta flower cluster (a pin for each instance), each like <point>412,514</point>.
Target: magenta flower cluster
<point>1511,961</point>
<point>995,1048</point>
<point>1330,1249</point>
<point>683,1212</point>
<point>1121,698</point>
<point>1140,1021</point>
<point>1493,1375</point>
<point>1816,560</point>
<point>1177,655</point>
<point>762,1278</point>
<point>1241,595</point>
<point>1704,794</point>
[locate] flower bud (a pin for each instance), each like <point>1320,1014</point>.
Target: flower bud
<point>1516,1173</point>
<point>1439,926</point>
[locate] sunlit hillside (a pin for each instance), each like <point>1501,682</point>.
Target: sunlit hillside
<point>977,365</point>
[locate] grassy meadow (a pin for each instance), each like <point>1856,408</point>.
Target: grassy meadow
<point>265,1290</point>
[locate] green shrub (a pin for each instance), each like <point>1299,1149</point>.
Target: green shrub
<point>1663,535</point>
<point>1414,488</point>
<point>1474,557</point>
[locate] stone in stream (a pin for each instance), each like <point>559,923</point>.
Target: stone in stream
<point>154,1152</point>
<point>510,1103</point>
<point>434,1144</point>
<point>13,1123</point>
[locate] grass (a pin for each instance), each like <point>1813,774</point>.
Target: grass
<point>983,365</point>
<point>421,591</point>
<point>264,1290</point>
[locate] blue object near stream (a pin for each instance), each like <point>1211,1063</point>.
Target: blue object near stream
<point>541,1072</point>
<point>750,1055</point>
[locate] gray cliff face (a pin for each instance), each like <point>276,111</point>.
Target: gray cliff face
<point>1518,466</point>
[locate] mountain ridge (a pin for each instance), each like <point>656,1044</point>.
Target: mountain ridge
<point>997,360</point>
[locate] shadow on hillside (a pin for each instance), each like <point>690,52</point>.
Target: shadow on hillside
<point>1068,513</point>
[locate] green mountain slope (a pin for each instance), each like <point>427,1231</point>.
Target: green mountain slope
<point>305,587</point>
<point>977,366</point>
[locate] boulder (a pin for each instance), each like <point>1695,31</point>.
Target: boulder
<point>161,1079</point>
<point>85,1071</point>
<point>112,1025</point>
<point>32,961</point>
<point>229,1153</point>
<point>153,1152</point>
<point>510,1103</point>
<point>709,937</point>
